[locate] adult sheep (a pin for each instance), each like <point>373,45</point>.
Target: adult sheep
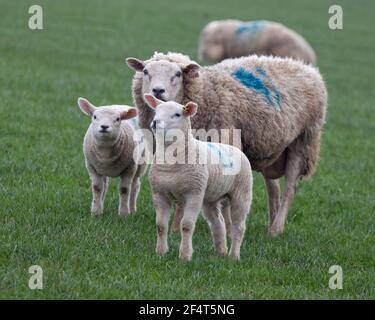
<point>224,39</point>
<point>278,104</point>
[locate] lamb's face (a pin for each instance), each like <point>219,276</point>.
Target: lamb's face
<point>106,123</point>
<point>170,115</point>
<point>211,44</point>
<point>163,79</point>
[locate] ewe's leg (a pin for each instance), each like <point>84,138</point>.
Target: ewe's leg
<point>273,192</point>
<point>98,190</point>
<point>217,225</point>
<point>179,212</point>
<point>192,208</point>
<point>292,174</point>
<point>162,206</point>
<point>126,181</point>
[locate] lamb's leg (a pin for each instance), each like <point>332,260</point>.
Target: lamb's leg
<point>292,174</point>
<point>273,193</point>
<point>134,191</point>
<point>162,206</point>
<point>98,190</point>
<point>240,207</point>
<point>192,208</point>
<point>226,214</point>
<point>179,212</point>
<point>217,225</point>
<point>126,180</point>
<point>105,182</point>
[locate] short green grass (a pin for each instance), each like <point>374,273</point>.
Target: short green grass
<point>45,191</point>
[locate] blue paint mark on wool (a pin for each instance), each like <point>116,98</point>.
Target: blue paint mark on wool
<point>249,27</point>
<point>251,81</point>
<point>276,92</point>
<point>224,159</point>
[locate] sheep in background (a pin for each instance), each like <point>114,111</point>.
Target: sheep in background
<point>224,39</point>
<point>198,177</point>
<point>109,148</point>
<point>279,105</point>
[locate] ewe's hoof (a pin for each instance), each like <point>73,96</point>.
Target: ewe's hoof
<point>161,251</point>
<point>96,212</point>
<point>185,257</point>
<point>124,214</point>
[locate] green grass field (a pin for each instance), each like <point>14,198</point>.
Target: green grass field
<point>45,190</point>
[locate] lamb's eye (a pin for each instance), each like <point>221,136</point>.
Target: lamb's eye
<point>118,119</point>
<point>178,74</point>
<point>95,117</point>
<point>145,72</point>
<point>177,115</point>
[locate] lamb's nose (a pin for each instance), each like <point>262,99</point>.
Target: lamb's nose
<point>158,91</point>
<point>104,127</point>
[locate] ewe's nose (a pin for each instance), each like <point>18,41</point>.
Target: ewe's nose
<point>104,127</point>
<point>158,92</point>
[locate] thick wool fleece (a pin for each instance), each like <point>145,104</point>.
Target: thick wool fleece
<point>277,103</point>
<point>224,39</point>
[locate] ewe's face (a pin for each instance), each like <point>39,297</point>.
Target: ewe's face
<point>106,123</point>
<point>211,46</point>
<point>163,79</point>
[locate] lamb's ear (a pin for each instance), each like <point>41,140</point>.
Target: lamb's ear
<point>135,64</point>
<point>192,70</point>
<point>130,113</point>
<point>152,101</point>
<point>190,109</point>
<point>86,106</point>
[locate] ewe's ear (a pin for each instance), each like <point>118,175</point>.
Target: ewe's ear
<point>192,70</point>
<point>152,101</point>
<point>86,106</point>
<point>130,113</point>
<point>135,64</point>
<point>190,109</point>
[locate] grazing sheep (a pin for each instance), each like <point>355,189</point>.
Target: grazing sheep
<point>109,150</point>
<point>201,175</point>
<point>224,39</point>
<point>278,104</point>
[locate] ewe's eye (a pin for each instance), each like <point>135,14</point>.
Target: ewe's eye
<point>145,72</point>
<point>95,117</point>
<point>118,119</point>
<point>177,115</point>
<point>178,74</point>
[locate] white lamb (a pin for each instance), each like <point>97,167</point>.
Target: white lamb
<point>205,184</point>
<point>109,149</point>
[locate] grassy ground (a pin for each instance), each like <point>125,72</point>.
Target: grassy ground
<point>45,192</point>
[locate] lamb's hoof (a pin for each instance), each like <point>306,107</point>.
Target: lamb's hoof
<point>234,256</point>
<point>124,213</point>
<point>161,251</point>
<point>96,211</point>
<point>276,230</point>
<point>185,257</point>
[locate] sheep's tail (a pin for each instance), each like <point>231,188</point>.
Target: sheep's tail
<point>309,142</point>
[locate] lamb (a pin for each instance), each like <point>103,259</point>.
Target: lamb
<point>197,184</point>
<point>279,104</point>
<point>224,39</point>
<point>110,150</point>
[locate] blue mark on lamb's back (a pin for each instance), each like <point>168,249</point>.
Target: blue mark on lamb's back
<point>256,83</point>
<point>223,157</point>
<point>250,27</point>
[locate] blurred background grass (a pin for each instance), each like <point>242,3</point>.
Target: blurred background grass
<point>45,191</point>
